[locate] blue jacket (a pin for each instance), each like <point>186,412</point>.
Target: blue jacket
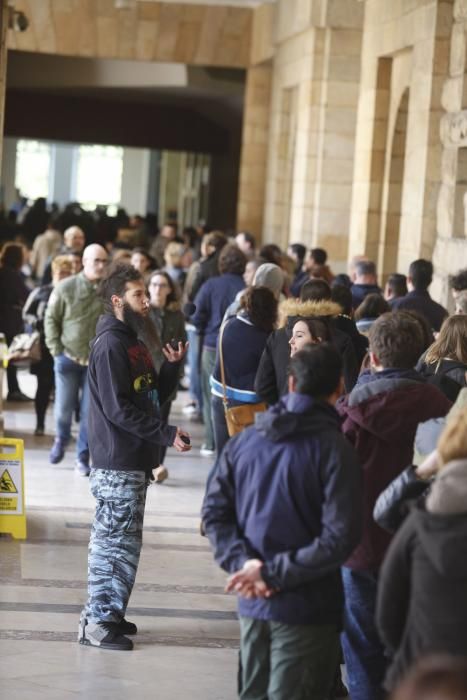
<point>211,303</point>
<point>288,491</point>
<point>242,346</point>
<point>125,430</point>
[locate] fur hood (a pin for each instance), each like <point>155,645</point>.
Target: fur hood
<point>293,308</point>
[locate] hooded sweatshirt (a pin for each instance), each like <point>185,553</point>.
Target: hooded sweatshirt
<point>271,377</point>
<point>380,418</point>
<point>124,428</point>
<point>422,599</point>
<point>288,491</point>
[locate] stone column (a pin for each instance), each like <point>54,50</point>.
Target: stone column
<point>254,151</point>
<point>3,61</point>
<point>4,12</point>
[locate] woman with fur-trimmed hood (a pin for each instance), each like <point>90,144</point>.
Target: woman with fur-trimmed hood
<point>271,378</point>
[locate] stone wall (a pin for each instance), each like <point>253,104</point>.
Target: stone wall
<point>311,52</point>
<point>398,149</point>
<point>205,35</point>
<point>450,252</point>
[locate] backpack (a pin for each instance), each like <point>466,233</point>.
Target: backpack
<point>447,385</point>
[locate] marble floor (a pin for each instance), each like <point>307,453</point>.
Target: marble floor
<point>187,643</point>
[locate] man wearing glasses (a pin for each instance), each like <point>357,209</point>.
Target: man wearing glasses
<point>70,325</point>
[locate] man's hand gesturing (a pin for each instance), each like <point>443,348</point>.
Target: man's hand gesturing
<point>182,442</point>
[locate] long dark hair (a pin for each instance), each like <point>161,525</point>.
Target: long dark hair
<point>174,293</point>
<point>261,307</point>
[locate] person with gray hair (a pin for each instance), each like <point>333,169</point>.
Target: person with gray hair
<point>267,275</point>
<point>70,324</point>
<point>365,282</point>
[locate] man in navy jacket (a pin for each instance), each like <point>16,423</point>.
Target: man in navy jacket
<point>125,434</point>
<point>282,513</point>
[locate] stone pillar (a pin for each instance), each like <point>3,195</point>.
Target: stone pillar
<point>254,150</point>
<point>4,12</point>
<point>450,253</point>
<point>3,62</point>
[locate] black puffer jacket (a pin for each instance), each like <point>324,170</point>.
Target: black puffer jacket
<point>271,378</point>
<point>422,601</point>
<point>447,375</point>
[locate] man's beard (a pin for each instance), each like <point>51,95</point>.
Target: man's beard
<point>143,326</point>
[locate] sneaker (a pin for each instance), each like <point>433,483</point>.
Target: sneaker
<point>17,396</point>
<point>190,408</point>
<point>206,451</point>
<point>82,468</point>
<point>39,431</point>
<point>105,635</point>
<point>160,474</point>
<point>57,452</point>
<point>126,627</point>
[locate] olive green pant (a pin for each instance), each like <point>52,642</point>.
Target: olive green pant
<point>287,662</point>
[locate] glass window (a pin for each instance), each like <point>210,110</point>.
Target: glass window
<point>32,168</point>
<point>99,175</point>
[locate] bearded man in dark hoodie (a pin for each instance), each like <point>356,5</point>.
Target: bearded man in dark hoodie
<point>380,418</point>
<point>125,436</point>
<point>282,513</point>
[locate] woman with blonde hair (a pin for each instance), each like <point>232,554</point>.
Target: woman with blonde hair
<point>422,601</point>
<point>177,260</point>
<point>445,362</point>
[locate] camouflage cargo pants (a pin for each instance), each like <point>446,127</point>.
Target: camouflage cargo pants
<point>116,540</point>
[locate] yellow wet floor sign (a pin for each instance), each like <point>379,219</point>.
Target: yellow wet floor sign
<point>12,508</point>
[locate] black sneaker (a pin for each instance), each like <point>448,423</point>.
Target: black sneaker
<point>125,627</point>
<point>104,635</point>
<point>17,396</point>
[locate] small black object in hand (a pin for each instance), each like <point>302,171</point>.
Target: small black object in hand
<point>185,439</point>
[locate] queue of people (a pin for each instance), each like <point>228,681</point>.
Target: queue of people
<point>345,374</point>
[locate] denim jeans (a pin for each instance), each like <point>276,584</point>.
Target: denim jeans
<point>194,361</point>
<point>287,662</point>
<point>208,362</point>
<point>363,652</point>
<point>116,541</point>
<point>70,379</point>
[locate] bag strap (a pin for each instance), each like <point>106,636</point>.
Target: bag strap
<point>221,358</point>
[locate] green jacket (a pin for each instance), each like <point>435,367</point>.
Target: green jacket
<point>71,317</point>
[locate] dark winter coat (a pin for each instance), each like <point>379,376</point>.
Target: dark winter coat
<point>360,342</point>
<point>206,270</point>
<point>380,418</point>
<point>288,491</point>
<point>447,375</point>
<point>360,291</point>
<point>13,294</point>
<point>422,601</point>
<point>33,316</point>
<point>125,395</point>
<point>271,378</point>
<point>421,301</point>
<point>211,303</point>
<point>242,346</point>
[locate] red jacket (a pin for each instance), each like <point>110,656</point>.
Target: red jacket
<point>380,420</point>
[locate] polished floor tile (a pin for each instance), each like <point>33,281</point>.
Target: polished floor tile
<point>187,645</point>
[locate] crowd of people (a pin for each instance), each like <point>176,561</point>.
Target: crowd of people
<point>339,514</point>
